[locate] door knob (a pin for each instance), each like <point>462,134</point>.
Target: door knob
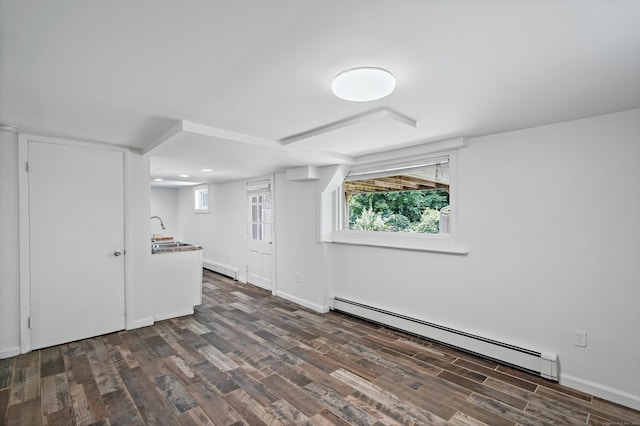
<point>117,253</point>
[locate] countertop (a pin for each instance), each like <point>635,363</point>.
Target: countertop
<point>189,247</point>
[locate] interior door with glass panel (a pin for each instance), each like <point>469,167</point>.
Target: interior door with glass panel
<point>260,244</point>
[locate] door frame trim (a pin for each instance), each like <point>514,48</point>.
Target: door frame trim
<point>24,229</point>
<point>274,235</point>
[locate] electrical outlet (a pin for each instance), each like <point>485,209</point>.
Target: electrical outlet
<point>580,338</point>
<point>297,277</point>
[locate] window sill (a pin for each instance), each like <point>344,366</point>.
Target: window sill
<point>434,244</point>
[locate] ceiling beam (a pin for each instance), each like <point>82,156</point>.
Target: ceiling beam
<point>350,121</point>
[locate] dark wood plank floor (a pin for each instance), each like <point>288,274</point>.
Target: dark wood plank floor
<point>246,357</point>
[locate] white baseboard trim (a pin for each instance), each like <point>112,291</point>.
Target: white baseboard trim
<point>318,308</point>
<point>220,268</point>
<point>173,314</point>
<point>143,322</point>
<point>601,391</point>
<point>9,352</point>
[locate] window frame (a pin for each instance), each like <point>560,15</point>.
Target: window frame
<point>443,243</point>
<point>380,171</point>
<point>198,205</point>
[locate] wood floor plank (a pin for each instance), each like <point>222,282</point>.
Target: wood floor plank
<point>328,417</point>
<point>505,411</point>
<point>6,372</point>
<point>180,369</point>
<point>55,393</point>
<point>81,408</point>
<point>51,361</point>
<point>132,340</point>
<point>215,378</point>
<point>540,381</point>
<point>78,369</point>
<point>251,411</point>
<point>339,405</point>
<point>175,394</point>
<point>506,398</point>
<point>26,412</point>
<point>214,405</point>
<point>5,397</point>
<point>217,358</point>
<point>628,414</point>
<point>26,378</point>
<point>460,419</point>
<point>404,392</point>
<point>60,418</point>
<point>121,409</point>
<point>103,370</point>
<point>319,376</point>
<point>159,346</point>
<point>387,402</point>
<point>293,394</point>
<point>606,412</point>
<point>285,371</point>
<point>287,414</point>
<point>195,417</point>
<point>147,397</point>
<point>189,354</point>
<point>253,387</point>
<point>524,384</point>
<point>220,343</point>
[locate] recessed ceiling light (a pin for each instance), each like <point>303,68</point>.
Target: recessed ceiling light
<point>185,176</point>
<point>158,180</point>
<point>363,84</point>
<point>206,170</point>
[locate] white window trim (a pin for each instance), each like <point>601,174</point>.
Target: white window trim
<point>333,229</point>
<point>197,190</point>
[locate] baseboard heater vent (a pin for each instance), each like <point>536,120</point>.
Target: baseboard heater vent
<point>542,364</point>
<point>221,269</point>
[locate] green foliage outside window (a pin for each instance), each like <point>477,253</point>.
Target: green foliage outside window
<point>403,211</point>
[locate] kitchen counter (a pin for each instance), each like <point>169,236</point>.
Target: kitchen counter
<point>161,247</point>
<point>176,278</point>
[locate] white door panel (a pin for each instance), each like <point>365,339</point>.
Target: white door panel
<point>260,242</point>
<point>76,213</point>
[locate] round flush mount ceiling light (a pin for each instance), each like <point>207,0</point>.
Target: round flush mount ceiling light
<point>363,84</point>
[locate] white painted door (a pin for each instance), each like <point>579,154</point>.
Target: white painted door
<point>260,262</point>
<point>76,239</point>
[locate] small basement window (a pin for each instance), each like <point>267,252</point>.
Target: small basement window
<point>408,198</point>
<point>201,199</point>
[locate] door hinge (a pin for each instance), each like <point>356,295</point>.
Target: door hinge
<point>26,166</point>
<point>29,322</point>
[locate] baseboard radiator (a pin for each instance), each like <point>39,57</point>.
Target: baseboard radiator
<point>221,269</point>
<point>542,364</point>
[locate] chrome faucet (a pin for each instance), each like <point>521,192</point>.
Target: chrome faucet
<point>158,217</point>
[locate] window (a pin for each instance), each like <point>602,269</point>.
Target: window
<point>408,198</point>
<point>433,167</point>
<point>261,216</point>
<point>202,199</point>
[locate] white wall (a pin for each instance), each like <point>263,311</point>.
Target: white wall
<point>550,215</point>
<point>138,297</point>
<point>300,259</point>
<point>222,231</point>
<point>9,245</point>
<point>164,203</point>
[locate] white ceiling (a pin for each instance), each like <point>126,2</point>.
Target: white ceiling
<point>247,76</point>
